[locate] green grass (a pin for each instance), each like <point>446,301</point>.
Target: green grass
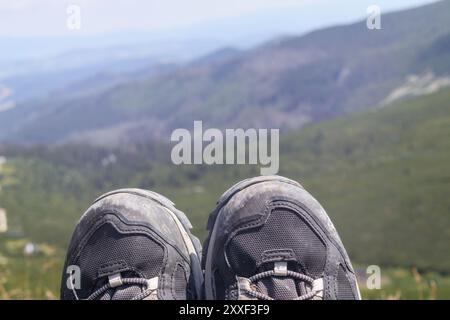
<point>408,284</point>
<point>39,278</point>
<point>29,277</point>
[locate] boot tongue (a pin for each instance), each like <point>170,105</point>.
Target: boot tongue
<point>119,290</point>
<point>279,286</point>
<point>126,292</point>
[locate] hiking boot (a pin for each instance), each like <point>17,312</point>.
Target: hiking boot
<point>132,244</point>
<point>270,239</point>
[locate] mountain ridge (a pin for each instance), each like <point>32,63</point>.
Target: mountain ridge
<point>283,84</point>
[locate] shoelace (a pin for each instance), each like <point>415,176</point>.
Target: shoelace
<point>125,281</point>
<point>271,273</point>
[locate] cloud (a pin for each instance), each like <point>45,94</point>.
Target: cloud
<point>47,17</point>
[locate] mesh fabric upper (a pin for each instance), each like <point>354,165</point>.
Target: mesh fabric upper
<point>107,245</point>
<point>179,281</point>
<point>284,229</point>
<point>344,291</point>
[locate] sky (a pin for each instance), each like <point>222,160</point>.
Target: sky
<point>44,18</point>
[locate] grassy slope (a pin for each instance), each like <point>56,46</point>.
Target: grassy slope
<point>382,175</point>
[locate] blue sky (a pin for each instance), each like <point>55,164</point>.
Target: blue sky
<point>48,17</point>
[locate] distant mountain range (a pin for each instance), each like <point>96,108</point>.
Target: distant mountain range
<point>286,83</point>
